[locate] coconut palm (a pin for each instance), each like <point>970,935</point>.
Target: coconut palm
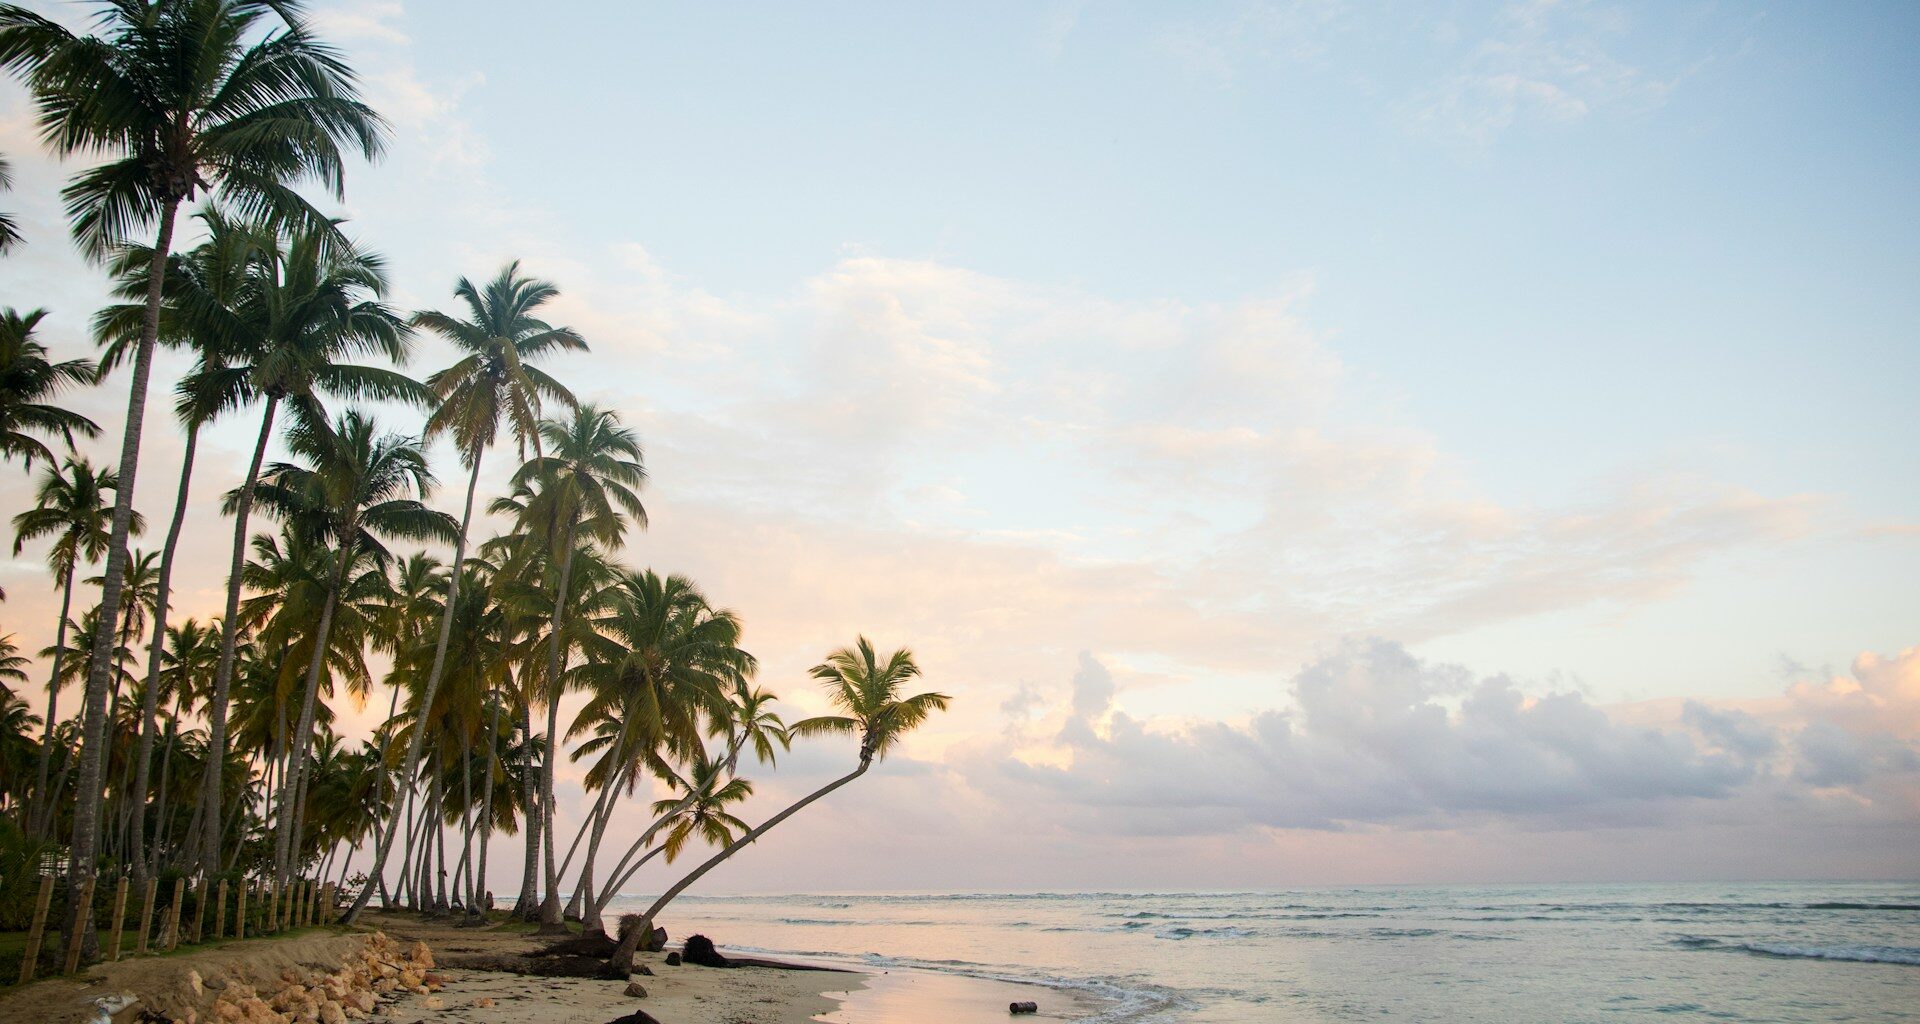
<point>703,811</point>
<point>309,307</point>
<point>13,664</point>
<point>357,488</point>
<point>28,382</point>
<point>9,231</point>
<point>493,381</point>
<point>866,689</point>
<point>233,97</point>
<point>71,507</point>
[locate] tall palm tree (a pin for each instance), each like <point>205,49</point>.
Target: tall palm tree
<point>71,507</point>
<point>357,488</point>
<point>310,305</point>
<point>27,383</point>
<point>492,381</point>
<point>235,97</point>
<point>867,690</point>
<point>9,231</point>
<point>202,288</point>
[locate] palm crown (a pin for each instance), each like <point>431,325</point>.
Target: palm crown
<point>27,381</point>
<point>859,683</point>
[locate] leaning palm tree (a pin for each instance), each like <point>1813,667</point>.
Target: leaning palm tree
<point>309,307</point>
<point>27,383</point>
<point>357,487</point>
<point>867,690</point>
<point>72,508</point>
<point>234,97</point>
<point>492,381</point>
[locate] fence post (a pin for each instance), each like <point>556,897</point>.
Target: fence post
<point>38,931</point>
<point>146,914</point>
<point>220,911</point>
<point>119,918</point>
<point>200,906</point>
<point>240,912</point>
<point>80,912</point>
<point>173,914</point>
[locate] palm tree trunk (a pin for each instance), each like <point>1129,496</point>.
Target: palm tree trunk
<point>486,801</point>
<point>385,845</point>
<point>87,798</point>
<point>528,901</point>
<point>617,879</point>
<point>42,815</point>
<point>466,818</point>
<point>646,920</point>
<point>556,652</point>
<point>143,861</point>
<point>303,731</point>
<point>160,802</point>
<point>210,790</point>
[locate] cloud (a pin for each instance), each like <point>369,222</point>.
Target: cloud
<point>1544,62</point>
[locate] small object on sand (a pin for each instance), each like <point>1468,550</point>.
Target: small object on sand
<point>106,1006</point>
<point>636,1017</point>
<point>644,969</point>
<point>698,950</point>
<point>673,959</point>
<point>636,990</point>
<point>655,940</point>
<point>1026,1007</point>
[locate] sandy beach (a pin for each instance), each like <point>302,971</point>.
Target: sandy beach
<point>183,986</point>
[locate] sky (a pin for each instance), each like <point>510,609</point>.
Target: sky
<point>1314,443</point>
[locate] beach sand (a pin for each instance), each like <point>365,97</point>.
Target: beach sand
<point>682,994</point>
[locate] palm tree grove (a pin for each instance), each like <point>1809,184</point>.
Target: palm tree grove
<point>174,768</point>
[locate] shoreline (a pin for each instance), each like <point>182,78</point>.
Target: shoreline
<point>762,988</point>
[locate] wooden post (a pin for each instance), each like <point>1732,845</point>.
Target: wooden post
<point>81,914</point>
<point>200,907</point>
<point>220,911</point>
<point>310,904</point>
<point>38,931</point>
<point>146,914</point>
<point>240,912</point>
<point>273,906</point>
<point>326,903</point>
<point>119,918</point>
<point>173,915</point>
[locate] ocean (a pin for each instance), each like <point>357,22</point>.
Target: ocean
<point>1791,952</point>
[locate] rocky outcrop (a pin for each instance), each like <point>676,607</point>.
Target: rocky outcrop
<point>382,970</point>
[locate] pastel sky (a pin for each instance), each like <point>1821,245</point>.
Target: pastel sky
<point>1314,443</point>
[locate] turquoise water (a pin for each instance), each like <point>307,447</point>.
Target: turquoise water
<point>1799,952</point>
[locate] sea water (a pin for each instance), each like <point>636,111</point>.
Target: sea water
<point>1798,952</point>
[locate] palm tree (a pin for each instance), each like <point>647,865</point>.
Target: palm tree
<point>13,664</point>
<point>867,690</point>
<point>358,487</point>
<point>27,382</point>
<point>234,97</point>
<point>71,507</point>
<point>703,812</point>
<point>493,381</point>
<point>203,286</point>
<point>309,306</point>
<point>584,487</point>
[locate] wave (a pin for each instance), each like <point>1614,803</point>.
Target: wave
<point>1852,953</point>
<point>1181,932</point>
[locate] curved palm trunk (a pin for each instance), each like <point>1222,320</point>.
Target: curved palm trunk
<point>385,845</point>
<point>622,873</point>
<point>144,857</point>
<point>290,784</point>
<point>210,791</point>
<point>550,907</point>
<point>42,815</point>
<point>93,759</point>
<point>646,920</point>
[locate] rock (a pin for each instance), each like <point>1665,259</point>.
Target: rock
<point>227,1013</point>
<point>636,990</point>
<point>484,1002</point>
<point>673,959</point>
<point>332,1013</point>
<point>433,981</point>
<point>195,983</point>
<point>433,1003</point>
<point>698,950</point>
<point>655,941</point>
<point>636,1017</point>
<point>644,969</point>
<point>421,956</point>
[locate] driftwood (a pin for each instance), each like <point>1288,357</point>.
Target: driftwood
<point>620,961</point>
<point>535,966</point>
<point>594,943</point>
<point>1028,1007</point>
